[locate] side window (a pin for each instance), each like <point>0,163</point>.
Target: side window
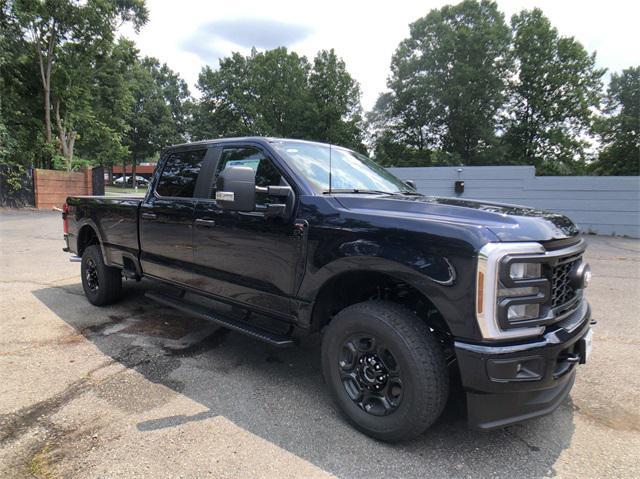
<point>266,172</point>
<point>180,173</point>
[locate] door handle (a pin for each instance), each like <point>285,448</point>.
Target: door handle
<point>149,216</point>
<point>205,222</point>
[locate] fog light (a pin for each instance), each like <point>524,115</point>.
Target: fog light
<point>520,312</point>
<point>586,276</point>
<point>580,275</point>
<point>516,369</point>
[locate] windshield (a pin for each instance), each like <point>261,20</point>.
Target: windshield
<point>349,170</point>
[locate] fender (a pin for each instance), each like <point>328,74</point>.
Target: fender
<point>81,223</point>
<point>438,279</point>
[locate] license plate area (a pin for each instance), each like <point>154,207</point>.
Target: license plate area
<point>585,345</point>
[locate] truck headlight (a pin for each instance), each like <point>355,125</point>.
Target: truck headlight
<point>525,270</point>
<point>522,286</point>
<point>522,289</point>
<point>509,294</point>
<point>523,312</point>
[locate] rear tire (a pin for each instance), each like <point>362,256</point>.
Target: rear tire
<point>385,370</point>
<point>102,284</point>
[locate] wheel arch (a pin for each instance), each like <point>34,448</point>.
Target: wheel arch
<point>88,234</point>
<point>351,280</point>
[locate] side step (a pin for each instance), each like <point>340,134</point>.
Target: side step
<point>270,337</point>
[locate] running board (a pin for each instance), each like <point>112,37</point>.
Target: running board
<point>270,337</point>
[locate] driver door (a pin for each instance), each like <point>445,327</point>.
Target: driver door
<point>244,256</point>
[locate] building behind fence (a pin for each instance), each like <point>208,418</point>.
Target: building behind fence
<point>607,205</point>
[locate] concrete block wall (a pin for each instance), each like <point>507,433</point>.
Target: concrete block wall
<point>607,205</point>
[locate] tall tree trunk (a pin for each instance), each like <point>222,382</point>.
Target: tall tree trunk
<point>45,75</point>
<point>67,138</point>
<point>134,183</point>
<point>47,114</point>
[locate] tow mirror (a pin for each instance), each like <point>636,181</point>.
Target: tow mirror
<point>236,189</point>
<point>278,210</point>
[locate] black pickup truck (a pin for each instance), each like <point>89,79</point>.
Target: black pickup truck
<point>409,292</point>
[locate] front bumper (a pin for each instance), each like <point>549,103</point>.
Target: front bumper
<point>513,382</point>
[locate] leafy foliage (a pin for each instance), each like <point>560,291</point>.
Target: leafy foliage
<point>447,84</point>
<point>160,109</point>
<point>69,33</point>
<point>620,131</point>
<point>552,97</point>
<point>465,88</point>
<point>279,93</point>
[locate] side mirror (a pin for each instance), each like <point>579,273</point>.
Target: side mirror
<point>236,189</point>
<point>280,210</point>
<point>411,183</point>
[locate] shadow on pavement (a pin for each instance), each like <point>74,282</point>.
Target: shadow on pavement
<point>280,396</point>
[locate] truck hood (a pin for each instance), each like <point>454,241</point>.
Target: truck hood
<point>507,222</point>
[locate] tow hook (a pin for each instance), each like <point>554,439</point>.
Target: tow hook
<point>572,358</point>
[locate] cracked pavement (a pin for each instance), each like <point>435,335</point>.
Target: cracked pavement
<point>137,390</point>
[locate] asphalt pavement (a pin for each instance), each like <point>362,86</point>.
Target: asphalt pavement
<point>137,390</point>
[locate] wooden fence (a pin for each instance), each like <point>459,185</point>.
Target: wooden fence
<point>52,187</point>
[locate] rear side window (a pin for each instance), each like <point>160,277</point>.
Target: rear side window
<point>180,173</point>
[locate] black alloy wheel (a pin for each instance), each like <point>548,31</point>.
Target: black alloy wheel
<point>91,275</point>
<point>385,370</point>
<point>370,375</point>
<point>102,284</point>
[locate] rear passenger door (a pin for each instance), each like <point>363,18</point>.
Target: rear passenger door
<point>166,218</point>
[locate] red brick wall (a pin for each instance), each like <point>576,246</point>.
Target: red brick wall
<point>140,169</point>
<point>52,187</point>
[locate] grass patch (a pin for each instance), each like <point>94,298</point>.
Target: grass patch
<point>115,190</point>
<point>39,465</point>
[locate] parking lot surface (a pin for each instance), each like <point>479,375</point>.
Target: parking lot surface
<point>137,390</point>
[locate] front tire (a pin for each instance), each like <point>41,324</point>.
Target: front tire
<point>385,370</point>
<point>102,284</point>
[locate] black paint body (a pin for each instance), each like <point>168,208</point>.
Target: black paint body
<point>278,267</point>
<point>271,266</point>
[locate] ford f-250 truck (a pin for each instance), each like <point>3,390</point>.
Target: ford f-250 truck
<point>410,292</point>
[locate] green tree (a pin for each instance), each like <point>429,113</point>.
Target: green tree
<point>278,93</point>
<point>397,135</point>
<point>111,103</point>
<point>447,83</point>
<point>159,114</point>
<point>336,101</point>
<point>50,25</point>
<point>553,95</point>
<point>261,94</point>
<point>619,131</point>
<point>282,95</point>
<point>19,104</point>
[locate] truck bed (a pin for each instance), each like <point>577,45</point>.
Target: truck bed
<point>115,219</point>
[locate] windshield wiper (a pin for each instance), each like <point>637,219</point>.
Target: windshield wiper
<point>370,192</point>
<point>360,191</point>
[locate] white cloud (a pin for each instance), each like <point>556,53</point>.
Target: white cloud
<point>196,32</point>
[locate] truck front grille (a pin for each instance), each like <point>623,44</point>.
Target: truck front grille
<point>561,289</point>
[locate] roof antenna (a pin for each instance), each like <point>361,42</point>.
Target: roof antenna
<point>329,167</point>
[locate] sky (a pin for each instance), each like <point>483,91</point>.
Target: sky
<point>190,34</point>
